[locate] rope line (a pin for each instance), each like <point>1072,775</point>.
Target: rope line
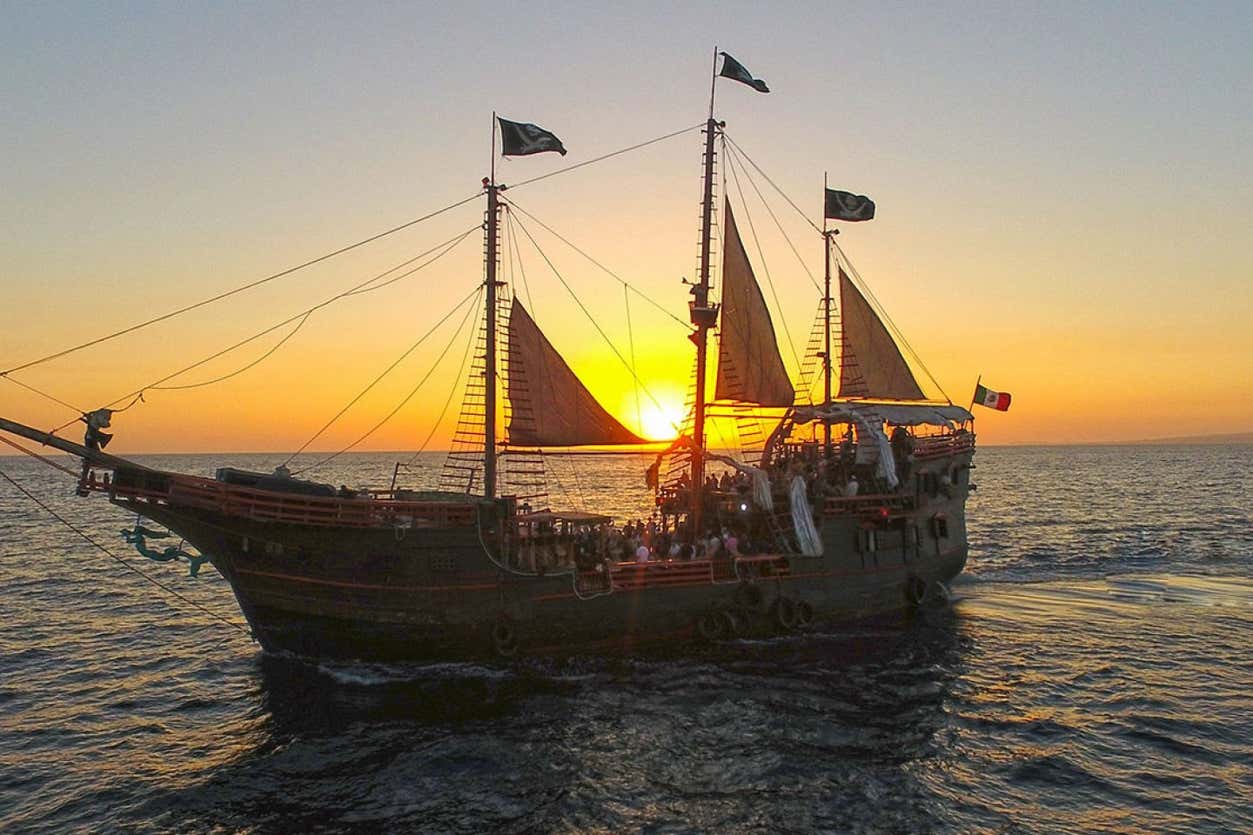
<point>761,255</point>
<point>884,314</point>
<point>609,155</point>
<point>611,273</point>
<point>38,457</point>
<point>781,192</point>
<point>626,303</point>
<point>153,580</point>
<point>241,289</point>
<point>589,316</point>
<point>45,394</point>
<point>255,362</point>
<point>384,373</point>
<point>469,312</point>
<point>446,247</point>
<point>777,222</point>
<point>456,385</point>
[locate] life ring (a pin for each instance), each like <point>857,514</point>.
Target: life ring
<point>749,596</point>
<point>804,614</point>
<point>504,640</point>
<point>785,613</point>
<point>916,590</point>
<point>712,626</point>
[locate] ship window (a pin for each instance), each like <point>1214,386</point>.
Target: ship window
<point>274,549</point>
<point>939,527</point>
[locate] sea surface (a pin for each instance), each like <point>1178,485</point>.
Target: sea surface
<point>1093,673</point>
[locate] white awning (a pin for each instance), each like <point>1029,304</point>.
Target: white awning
<point>899,414</point>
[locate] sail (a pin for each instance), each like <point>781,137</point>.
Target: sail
<point>550,406</point>
<point>872,365</point>
<point>750,369</point>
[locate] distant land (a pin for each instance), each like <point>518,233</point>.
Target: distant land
<point>1198,440</point>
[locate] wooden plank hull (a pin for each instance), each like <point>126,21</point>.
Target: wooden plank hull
<point>447,593</point>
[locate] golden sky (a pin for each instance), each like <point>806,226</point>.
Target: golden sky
<point>1064,203</point>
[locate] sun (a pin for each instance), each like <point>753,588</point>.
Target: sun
<point>661,421</point>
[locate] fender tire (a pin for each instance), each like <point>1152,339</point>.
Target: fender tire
<point>916,590</point>
<point>784,612</point>
<point>504,640</point>
<point>712,626</point>
<point>804,614</point>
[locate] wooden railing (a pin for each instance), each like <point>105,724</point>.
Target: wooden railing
<point>185,491</point>
<point>937,446</point>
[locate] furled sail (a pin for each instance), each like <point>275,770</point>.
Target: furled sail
<point>550,405</point>
<point>750,369</point>
<point>872,365</point>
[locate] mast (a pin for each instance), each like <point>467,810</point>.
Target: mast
<point>826,328</point>
<point>489,377</point>
<point>703,315</point>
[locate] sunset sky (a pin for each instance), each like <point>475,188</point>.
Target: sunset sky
<point>1065,200</point>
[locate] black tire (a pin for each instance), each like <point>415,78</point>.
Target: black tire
<point>712,626</point>
<point>733,624</point>
<point>804,614</point>
<point>749,596</point>
<point>504,640</point>
<point>784,611</point>
<point>916,590</point>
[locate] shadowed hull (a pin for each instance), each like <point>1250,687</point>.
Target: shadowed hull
<point>440,594</point>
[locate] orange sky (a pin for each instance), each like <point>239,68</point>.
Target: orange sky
<point>1080,241</point>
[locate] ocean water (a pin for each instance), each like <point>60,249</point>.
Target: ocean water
<point>1093,673</point>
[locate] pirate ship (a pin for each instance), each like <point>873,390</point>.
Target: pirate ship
<point>844,505</point>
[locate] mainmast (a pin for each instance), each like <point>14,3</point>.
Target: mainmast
<point>489,377</point>
<point>827,234</point>
<point>704,315</point>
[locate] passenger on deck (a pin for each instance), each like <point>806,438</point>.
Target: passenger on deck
<point>851,488</point>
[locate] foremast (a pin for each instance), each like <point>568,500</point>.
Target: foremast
<point>703,315</point>
<point>491,230</point>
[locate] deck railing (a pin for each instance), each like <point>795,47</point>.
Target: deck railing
<point>368,511</point>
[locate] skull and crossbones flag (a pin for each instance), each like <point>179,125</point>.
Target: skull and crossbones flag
<point>732,68</point>
<point>844,205</point>
<point>518,139</point>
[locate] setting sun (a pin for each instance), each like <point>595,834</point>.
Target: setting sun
<point>662,420</point>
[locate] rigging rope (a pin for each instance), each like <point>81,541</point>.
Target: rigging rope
<point>589,316</point>
<point>611,273</point>
<point>777,223</point>
<point>44,394</point>
<point>385,372</point>
<point>774,293</point>
<point>626,303</point>
<point>781,192</point>
<point>39,457</point>
<point>125,563</point>
<point>456,384</point>
<point>445,247</point>
<point>255,362</point>
<point>241,289</point>
<point>603,157</point>
<point>883,313</point>
<point>878,306</point>
<point>469,313</point>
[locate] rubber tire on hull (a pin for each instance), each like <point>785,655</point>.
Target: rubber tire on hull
<point>712,626</point>
<point>916,590</point>
<point>784,612</point>
<point>504,640</point>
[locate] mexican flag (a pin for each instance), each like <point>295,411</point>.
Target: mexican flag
<point>998,400</point>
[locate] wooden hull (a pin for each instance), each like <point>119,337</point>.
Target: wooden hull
<point>445,593</point>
